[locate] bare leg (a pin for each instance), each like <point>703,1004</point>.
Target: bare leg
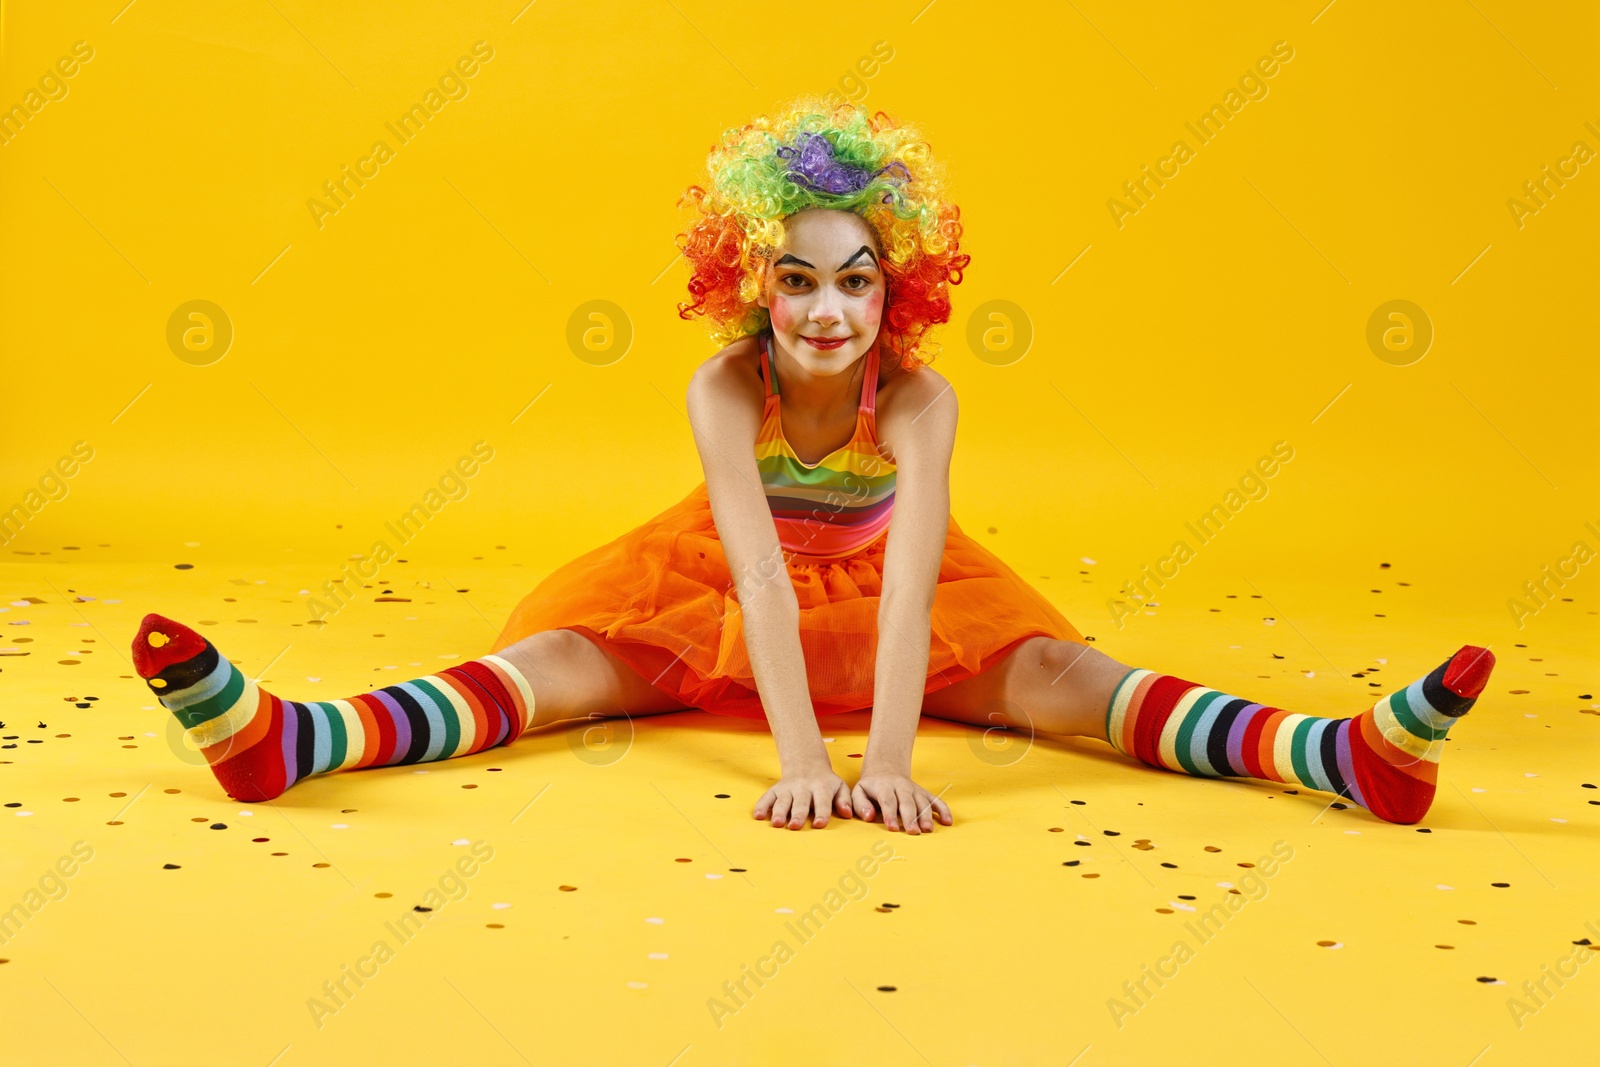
<point>574,678</point>
<point>1054,687</point>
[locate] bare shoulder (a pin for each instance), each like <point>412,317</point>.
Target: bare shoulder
<point>917,417</point>
<point>728,383</point>
<point>905,398</point>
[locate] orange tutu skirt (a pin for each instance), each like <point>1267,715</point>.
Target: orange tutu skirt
<point>661,598</point>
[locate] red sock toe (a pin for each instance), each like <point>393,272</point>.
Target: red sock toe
<point>161,642</point>
<point>1468,671</point>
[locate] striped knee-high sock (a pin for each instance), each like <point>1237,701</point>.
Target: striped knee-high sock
<point>1386,759</point>
<point>258,745</point>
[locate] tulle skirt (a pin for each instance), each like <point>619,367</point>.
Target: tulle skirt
<point>661,598</point>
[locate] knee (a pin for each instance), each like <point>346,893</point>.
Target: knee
<point>1069,666</point>
<point>1056,661</point>
<point>551,649</point>
<point>551,661</point>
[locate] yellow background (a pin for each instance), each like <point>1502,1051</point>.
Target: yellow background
<point>371,352</point>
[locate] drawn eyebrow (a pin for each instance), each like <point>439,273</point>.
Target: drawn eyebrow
<point>842,266</point>
<point>863,250</point>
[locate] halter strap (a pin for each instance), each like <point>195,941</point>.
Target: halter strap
<point>869,383</point>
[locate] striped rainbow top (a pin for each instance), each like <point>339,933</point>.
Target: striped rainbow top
<point>842,503</point>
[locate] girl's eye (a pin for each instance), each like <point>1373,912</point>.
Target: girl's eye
<point>797,280</point>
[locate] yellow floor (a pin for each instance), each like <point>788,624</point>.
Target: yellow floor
<point>200,365</point>
<point>613,892</point>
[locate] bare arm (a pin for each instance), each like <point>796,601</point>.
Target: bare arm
<point>725,414</point>
<point>921,425</point>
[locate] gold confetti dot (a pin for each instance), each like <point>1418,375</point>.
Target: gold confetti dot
<point>157,639</point>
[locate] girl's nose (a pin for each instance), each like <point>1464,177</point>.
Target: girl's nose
<point>826,309</point>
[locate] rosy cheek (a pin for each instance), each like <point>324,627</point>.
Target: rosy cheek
<point>782,317</point>
<point>872,309</point>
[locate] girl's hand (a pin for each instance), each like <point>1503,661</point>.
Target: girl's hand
<point>811,790</point>
<point>904,802</point>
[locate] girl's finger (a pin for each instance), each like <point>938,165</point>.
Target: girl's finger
<point>908,810</point>
<point>841,801</point>
<point>820,807</point>
<point>780,809</point>
<point>943,809</point>
<point>799,810</point>
<point>891,809</point>
<point>862,804</point>
<point>925,812</point>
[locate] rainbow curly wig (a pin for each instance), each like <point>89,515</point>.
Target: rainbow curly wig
<point>808,154</point>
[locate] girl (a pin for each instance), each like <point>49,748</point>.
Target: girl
<point>822,254</point>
